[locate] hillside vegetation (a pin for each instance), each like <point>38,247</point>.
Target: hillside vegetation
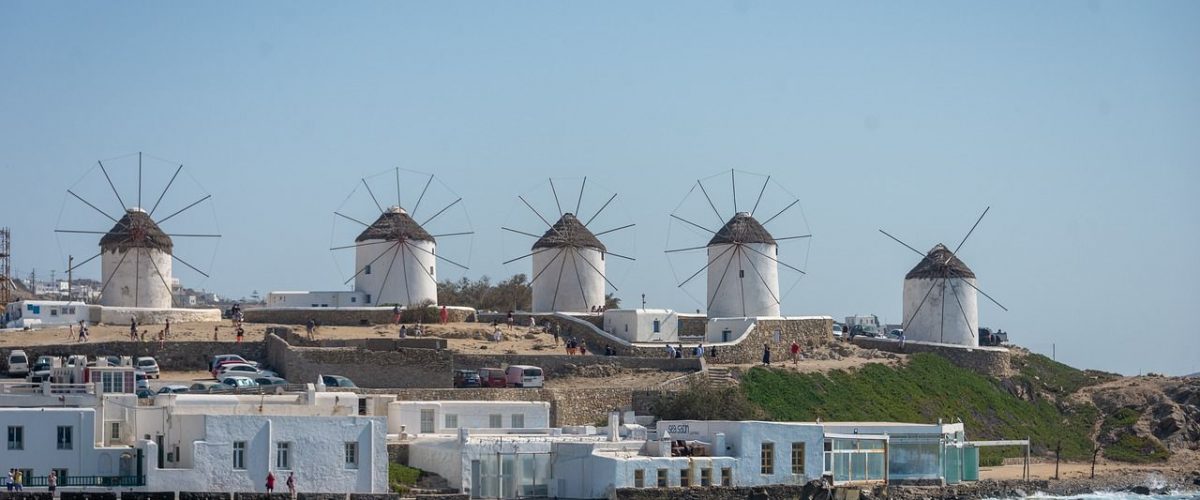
<point>925,389</point>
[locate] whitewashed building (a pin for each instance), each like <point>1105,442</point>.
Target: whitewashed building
<point>940,302</point>
<point>38,313</point>
<point>447,417</point>
<point>285,299</point>
<point>643,325</point>
<point>96,435</point>
<point>581,462</point>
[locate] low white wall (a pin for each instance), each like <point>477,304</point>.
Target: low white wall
<point>120,315</point>
<point>716,328</point>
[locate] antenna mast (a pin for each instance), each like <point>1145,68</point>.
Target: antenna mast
<point>6,284</point>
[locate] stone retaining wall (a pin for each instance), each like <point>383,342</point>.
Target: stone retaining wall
<point>556,365</point>
<point>813,490</point>
<point>587,406</point>
<point>379,344</point>
<point>989,361</point>
<point>398,368</point>
<point>174,356</point>
<point>360,316</point>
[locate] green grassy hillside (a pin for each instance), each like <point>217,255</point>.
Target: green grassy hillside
<point>927,388</point>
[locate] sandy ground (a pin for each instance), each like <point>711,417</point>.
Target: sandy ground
<point>1069,470</point>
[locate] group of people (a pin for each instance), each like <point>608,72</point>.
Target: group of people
<point>83,331</point>
<point>416,331</point>
<point>290,483</point>
<point>574,346</point>
<point>696,352</point>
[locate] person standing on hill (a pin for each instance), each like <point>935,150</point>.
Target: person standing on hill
<point>270,482</point>
<point>291,484</point>
<point>310,327</point>
<point>766,358</point>
<point>133,329</point>
<point>444,315</point>
<point>395,315</point>
<point>167,328</point>
<point>795,350</point>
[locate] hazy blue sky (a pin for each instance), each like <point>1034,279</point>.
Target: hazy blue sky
<point>1077,122</point>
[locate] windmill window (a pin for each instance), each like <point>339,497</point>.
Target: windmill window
<point>741,273</point>
<point>601,255</point>
<point>367,270</point>
<point>431,270</point>
<point>657,326</point>
<point>368,301</point>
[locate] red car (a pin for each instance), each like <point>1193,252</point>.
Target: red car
<point>492,377</point>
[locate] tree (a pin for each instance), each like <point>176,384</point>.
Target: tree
<point>611,302</point>
<point>513,293</point>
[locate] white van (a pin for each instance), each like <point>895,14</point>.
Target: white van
<point>18,363</point>
<point>524,376</point>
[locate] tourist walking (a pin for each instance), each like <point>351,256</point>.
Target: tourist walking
<point>511,320</point>
<point>167,328</point>
<point>403,331</point>
<point>444,315</point>
<point>766,358</point>
<point>712,353</point>
<point>162,338</point>
<point>83,331</point>
<point>240,334</point>
<point>553,327</point>
<point>52,482</point>
<point>291,484</point>
<point>215,330</point>
<point>795,350</point>
<point>310,327</point>
<point>270,482</point>
<point>700,350</point>
<point>132,329</point>
<point>11,482</point>
<point>582,349</point>
<point>19,480</point>
<point>395,315</point>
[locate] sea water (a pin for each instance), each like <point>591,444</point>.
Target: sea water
<point>1119,495</point>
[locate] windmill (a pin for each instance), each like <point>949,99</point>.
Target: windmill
<point>396,258</point>
<point>136,255</point>
<point>930,314</point>
<point>743,259</point>
<point>568,259</point>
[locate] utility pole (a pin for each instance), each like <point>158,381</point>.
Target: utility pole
<point>1057,455</point>
<point>70,267</point>
<point>643,302</point>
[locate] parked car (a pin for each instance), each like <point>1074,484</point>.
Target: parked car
<point>140,380</point>
<point>18,363</point>
<point>466,378</point>
<point>172,389</point>
<point>144,393</point>
<point>865,331</point>
<point>336,381</point>
<point>244,369</point>
<point>218,359</point>
<point>203,386</point>
<point>238,381</point>
<point>149,365</point>
<point>896,333</point>
<point>838,332</point>
<point>269,381</point>
<point>524,376</point>
<point>492,377</point>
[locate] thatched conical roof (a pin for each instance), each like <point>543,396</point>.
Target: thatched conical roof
<point>940,263</point>
<point>136,230</point>
<point>742,228</point>
<point>569,232</point>
<point>395,224</point>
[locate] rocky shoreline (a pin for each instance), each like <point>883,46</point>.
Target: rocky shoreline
<point>1135,482</point>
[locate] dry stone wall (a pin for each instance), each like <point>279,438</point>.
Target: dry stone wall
<point>399,368</point>
<point>990,361</point>
<point>564,366</point>
<point>586,406</point>
<point>362,316</point>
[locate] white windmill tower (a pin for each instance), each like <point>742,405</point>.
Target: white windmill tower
<point>940,296</point>
<point>396,258</point>
<point>569,260</point>
<point>743,257</point>
<point>136,254</point>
